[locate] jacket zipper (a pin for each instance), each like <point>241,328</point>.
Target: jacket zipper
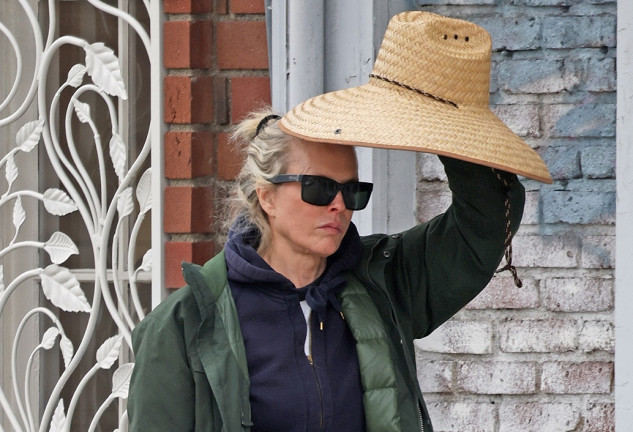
<point>316,376</point>
<point>420,416</point>
<point>395,322</point>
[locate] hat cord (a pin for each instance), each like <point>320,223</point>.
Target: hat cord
<point>413,89</point>
<point>508,240</point>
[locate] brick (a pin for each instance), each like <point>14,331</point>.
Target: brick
<point>462,416</point>
<point>221,100</point>
<point>176,44</point>
<point>188,209</point>
<point>579,31</point>
<point>577,378</point>
<point>201,45</point>
<point>501,293</point>
<point>242,45</point>
<point>523,120</point>
<point>546,251</point>
<point>581,120</point>
<point>188,99</point>
<point>494,81</point>
<point>430,168</point>
<point>221,7</point>
<point>229,159</point>
<point>177,99</point>
<point>596,74</point>
<point>187,6</point>
<point>435,376</point>
<point>176,252</point>
<point>187,44</point>
<point>461,337</point>
<point>579,207</point>
<point>535,76</point>
<point>538,417</point>
<point>532,209</point>
<point>248,94</point>
<point>598,251</point>
<point>598,161</point>
<point>458,2</point>
<point>188,154</point>
<point>540,2</point>
<point>538,335</point>
<point>597,336</point>
<point>512,34</point>
<point>563,162</point>
<point>436,197</point>
<point>600,417</point>
<point>247,6</point>
<point>578,294</point>
<point>202,99</point>
<point>486,377</point>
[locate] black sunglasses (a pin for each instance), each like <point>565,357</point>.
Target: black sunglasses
<point>321,191</point>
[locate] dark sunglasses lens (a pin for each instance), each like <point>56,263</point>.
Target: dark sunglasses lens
<point>356,195</point>
<point>321,191</point>
<point>318,191</point>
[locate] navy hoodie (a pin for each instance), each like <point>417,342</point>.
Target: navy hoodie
<point>289,391</point>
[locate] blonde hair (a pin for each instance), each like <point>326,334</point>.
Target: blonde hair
<point>265,155</point>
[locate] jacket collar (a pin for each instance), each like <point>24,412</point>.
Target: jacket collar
<point>219,341</point>
<point>209,285</point>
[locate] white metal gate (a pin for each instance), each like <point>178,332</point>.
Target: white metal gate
<point>76,191</point>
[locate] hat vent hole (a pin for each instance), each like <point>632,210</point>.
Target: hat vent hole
<point>445,37</point>
<point>456,37</point>
<point>466,38</point>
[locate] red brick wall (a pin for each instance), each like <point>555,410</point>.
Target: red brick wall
<point>216,58</point>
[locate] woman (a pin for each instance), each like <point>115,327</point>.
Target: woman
<point>299,324</point>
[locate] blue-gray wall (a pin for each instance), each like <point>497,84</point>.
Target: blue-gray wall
<point>539,357</point>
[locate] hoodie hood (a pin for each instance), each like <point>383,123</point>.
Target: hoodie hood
<point>246,266</point>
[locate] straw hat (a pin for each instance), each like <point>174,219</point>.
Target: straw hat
<point>429,92</point>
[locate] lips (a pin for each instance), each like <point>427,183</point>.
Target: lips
<point>333,226</point>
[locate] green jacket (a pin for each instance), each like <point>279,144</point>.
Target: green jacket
<point>191,373</point>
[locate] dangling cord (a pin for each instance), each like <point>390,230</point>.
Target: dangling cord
<point>508,241</point>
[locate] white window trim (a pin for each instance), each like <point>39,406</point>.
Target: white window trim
<point>158,154</point>
<point>306,62</point>
<point>624,221</point>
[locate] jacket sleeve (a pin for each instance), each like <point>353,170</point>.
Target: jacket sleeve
<point>161,396</point>
<point>450,259</point>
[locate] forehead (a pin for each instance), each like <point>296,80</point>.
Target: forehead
<point>315,156</point>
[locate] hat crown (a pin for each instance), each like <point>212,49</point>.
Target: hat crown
<point>446,58</point>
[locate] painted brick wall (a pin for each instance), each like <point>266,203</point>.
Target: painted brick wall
<point>539,358</point>
<point>217,71</point>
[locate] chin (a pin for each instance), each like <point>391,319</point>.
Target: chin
<point>326,252</point>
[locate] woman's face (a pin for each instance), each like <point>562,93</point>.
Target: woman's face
<point>301,228</point>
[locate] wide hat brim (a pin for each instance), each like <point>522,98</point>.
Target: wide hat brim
<point>383,115</point>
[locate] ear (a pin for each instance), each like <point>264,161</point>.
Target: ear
<point>266,198</point>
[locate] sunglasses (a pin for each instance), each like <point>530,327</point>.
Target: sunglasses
<point>321,191</point>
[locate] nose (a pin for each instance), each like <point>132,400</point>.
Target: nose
<point>337,204</point>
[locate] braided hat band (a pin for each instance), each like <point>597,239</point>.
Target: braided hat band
<point>429,91</point>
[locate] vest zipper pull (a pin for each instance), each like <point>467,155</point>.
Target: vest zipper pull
<point>342,316</point>
<point>320,325</point>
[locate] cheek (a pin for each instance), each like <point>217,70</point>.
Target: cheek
<point>304,215</point>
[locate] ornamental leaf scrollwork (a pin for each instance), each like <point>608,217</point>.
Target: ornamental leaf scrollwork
<point>104,188</point>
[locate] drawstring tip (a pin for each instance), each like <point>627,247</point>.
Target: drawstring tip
<point>321,325</point>
<point>342,316</point>
<point>515,275</point>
